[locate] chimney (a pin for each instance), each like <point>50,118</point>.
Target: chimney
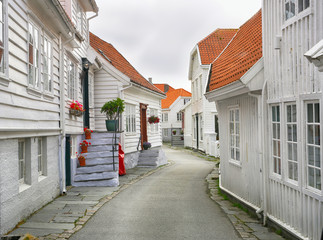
<point>150,80</point>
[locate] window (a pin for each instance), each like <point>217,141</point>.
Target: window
<point>71,80</point>
<point>201,86</point>
<point>22,161</point>
<point>275,111</point>
<point>165,117</point>
<point>79,18</point>
<point>186,100</point>
<point>33,56</point>
<point>73,146</point>
<point>47,65</point>
<point>291,127</point>
<point>216,126</point>
<point>179,116</point>
<point>165,132</point>
<point>154,126</point>
<point>130,118</point>
<point>40,156</point>
<point>313,145</point>
<point>295,6</point>
<point>3,36</point>
<point>201,128</point>
<point>234,130</point>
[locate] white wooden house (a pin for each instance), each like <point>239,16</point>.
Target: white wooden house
<point>270,128</point>
<point>204,114</point>
<point>171,115</point>
<point>293,104</point>
<point>235,84</point>
<point>36,39</point>
<point>115,77</point>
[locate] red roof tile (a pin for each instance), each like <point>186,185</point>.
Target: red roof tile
<point>119,62</point>
<point>241,54</point>
<point>172,95</point>
<point>163,87</point>
<point>212,45</point>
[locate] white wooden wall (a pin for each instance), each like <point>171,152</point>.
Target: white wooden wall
<point>243,179</point>
<point>135,95</point>
<point>290,77</point>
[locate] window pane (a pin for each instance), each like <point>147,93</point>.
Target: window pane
<point>317,135</point>
<point>274,131</point>
<point>1,11</point>
<point>307,4</point>
<point>232,153</point>
<point>310,134</point>
<point>310,112</point>
<point>278,148</point>
<point>294,133</point>
<point>310,155</point>
<point>289,113</point>
<point>318,178</point>
<point>289,132</point>
<point>274,116</point>
<point>237,128</point>
<point>275,148</point>
<point>317,157</point>
<point>231,128</point>
<point>290,151</point>
<point>237,115</point>
<point>295,152</point>
<point>295,172</point>
<point>300,5</point>
<point>237,141</point>
<point>278,131</point>
<point>290,170</point>
<point>238,155</point>
<point>293,113</point>
<point>292,7</point>
<point>311,177</point>
<point>317,112</point>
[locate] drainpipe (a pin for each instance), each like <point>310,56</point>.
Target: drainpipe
<point>197,131</point>
<point>62,145</point>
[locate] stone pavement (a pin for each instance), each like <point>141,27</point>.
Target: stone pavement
<point>67,214</point>
<point>247,226</point>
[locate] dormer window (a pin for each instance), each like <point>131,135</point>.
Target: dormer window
<point>79,18</point>
<point>292,7</point>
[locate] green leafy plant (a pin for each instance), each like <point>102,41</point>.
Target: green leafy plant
<point>111,108</point>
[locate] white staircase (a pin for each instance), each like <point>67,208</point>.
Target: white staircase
<point>100,169</point>
<point>152,158</point>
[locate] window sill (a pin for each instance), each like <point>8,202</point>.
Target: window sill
<point>23,187</point>
<point>41,178</point>
<point>130,133</point>
<point>4,81</point>
<point>49,96</point>
<point>235,163</point>
<point>34,92</point>
<point>313,192</point>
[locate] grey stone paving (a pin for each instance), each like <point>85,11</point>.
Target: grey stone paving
<point>67,214</point>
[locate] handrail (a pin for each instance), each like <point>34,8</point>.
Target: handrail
<point>115,136</point>
<point>139,142</point>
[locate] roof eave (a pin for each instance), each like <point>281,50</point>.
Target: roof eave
<point>161,95</point>
<point>315,55</point>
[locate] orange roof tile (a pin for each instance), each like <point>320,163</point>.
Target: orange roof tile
<point>163,87</point>
<point>241,54</point>
<point>171,97</point>
<point>212,45</point>
<point>119,62</point>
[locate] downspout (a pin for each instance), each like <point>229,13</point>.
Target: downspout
<point>62,173</point>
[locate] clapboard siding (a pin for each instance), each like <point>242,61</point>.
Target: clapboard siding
<point>234,177</point>
<point>291,77</point>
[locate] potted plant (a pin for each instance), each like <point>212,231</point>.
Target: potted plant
<point>76,108</point>
<point>87,133</point>
<point>84,146</point>
<point>153,119</point>
<point>81,159</point>
<point>182,132</point>
<point>174,132</point>
<point>111,110</point>
<point>146,145</point>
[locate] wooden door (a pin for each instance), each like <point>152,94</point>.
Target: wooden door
<point>143,123</point>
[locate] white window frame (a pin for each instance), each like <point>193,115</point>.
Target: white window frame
<point>71,79</point>
<point>165,132</point>
<point>21,161</point>
<point>234,134</point>
<point>79,18</point>
<point>179,116</point>
<point>73,146</point>
<point>165,117</point>
<point>130,117</point>
<point>47,71</point>
<point>276,140</point>
<point>315,144</point>
<point>291,142</point>
<point>153,126</point>
<point>34,67</point>
<point>297,10</point>
<point>4,63</point>
<point>201,86</point>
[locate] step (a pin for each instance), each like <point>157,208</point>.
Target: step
<point>148,164</point>
<point>101,148</point>
<point>95,176</point>
<point>97,168</point>
<point>150,153</point>
<point>101,161</point>
<point>90,155</point>
<point>102,141</point>
<point>103,183</point>
<point>96,135</point>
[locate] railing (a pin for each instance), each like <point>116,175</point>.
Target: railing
<point>114,144</point>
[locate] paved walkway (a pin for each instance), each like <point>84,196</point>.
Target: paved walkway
<point>67,214</point>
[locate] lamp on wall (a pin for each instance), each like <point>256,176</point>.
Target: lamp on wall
<point>86,64</point>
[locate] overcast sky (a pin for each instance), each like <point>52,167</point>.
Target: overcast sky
<point>157,36</point>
